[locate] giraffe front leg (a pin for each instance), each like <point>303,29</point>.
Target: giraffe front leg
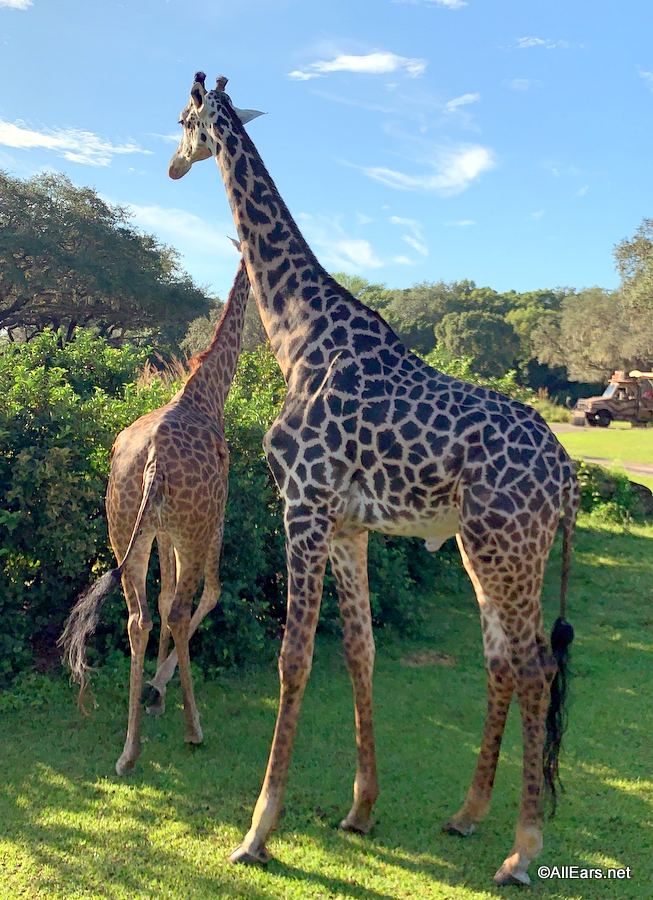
<point>306,553</point>
<point>348,556</point>
<point>477,801</point>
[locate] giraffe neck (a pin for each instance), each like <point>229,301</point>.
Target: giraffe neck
<point>213,369</point>
<point>298,300</point>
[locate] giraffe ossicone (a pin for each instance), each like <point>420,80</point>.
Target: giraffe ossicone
<point>372,438</point>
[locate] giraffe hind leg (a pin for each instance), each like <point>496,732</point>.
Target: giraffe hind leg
<point>500,688</point>
<point>138,628</point>
<point>210,595</point>
<point>508,583</point>
<point>155,689</point>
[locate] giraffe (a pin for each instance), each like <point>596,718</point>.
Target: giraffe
<point>372,438</point>
<point>169,480</point>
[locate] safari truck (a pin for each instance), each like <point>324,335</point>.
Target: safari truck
<point>627,398</point>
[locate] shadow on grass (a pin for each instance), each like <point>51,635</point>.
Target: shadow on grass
<point>168,829</point>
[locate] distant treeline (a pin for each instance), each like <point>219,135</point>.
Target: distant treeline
<point>69,259</point>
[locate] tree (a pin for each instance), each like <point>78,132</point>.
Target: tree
<point>69,258</point>
<point>634,260</point>
<point>595,332</point>
<point>486,338</point>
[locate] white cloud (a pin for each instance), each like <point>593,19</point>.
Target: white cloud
<point>377,63</point>
<point>16,4</point>
<point>167,138</point>
<point>453,171</point>
<point>187,232</point>
<point>339,250</point>
<point>448,4</point>
<point>461,223</point>
<point>524,43</point>
<point>403,260</point>
<point>463,100</point>
<point>537,215</point>
<point>363,219</point>
<point>647,77</point>
<point>415,235</point>
<point>582,191</point>
<point>520,84</point>
<point>72,144</point>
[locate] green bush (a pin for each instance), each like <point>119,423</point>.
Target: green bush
<point>606,494</point>
<point>55,440</point>
<point>60,410</point>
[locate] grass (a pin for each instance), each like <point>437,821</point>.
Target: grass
<point>69,828</point>
<point>618,444</point>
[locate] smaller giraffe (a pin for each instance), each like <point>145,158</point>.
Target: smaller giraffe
<point>169,480</point>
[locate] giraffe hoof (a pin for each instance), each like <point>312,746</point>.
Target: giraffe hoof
<point>460,829</point>
<point>125,765</point>
<point>252,857</point>
<point>194,737</point>
<point>506,876</point>
<point>354,827</point>
<point>154,700</point>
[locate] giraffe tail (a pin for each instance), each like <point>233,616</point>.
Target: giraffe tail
<point>562,636</point>
<point>85,614</point>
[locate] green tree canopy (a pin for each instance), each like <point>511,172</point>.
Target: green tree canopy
<point>486,338</point>
<point>595,332</point>
<point>634,259</point>
<point>68,258</point>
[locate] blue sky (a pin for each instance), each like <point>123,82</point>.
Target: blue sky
<point>506,141</point>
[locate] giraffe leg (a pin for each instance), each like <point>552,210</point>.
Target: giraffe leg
<point>155,689</point>
<point>500,688</point>
<point>511,616</point>
<point>138,627</point>
<point>210,595</point>
<point>188,577</point>
<point>534,668</point>
<point>306,552</point>
<point>349,563</point>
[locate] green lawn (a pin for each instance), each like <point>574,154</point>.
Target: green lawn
<point>69,828</point>
<point>618,444</point>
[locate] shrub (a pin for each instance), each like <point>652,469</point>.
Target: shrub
<point>60,410</point>
<point>608,495</point>
<point>55,434</point>
<point>548,409</point>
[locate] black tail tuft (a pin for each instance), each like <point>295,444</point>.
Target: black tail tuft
<point>80,625</point>
<point>556,719</point>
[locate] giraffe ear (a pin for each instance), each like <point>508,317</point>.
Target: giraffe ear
<point>246,115</point>
<point>197,94</point>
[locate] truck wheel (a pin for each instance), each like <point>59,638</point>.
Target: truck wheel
<point>591,421</point>
<point>603,418</point>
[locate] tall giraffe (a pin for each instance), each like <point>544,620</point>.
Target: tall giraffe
<point>372,438</point>
<point>169,479</point>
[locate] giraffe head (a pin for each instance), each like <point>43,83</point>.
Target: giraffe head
<point>207,120</point>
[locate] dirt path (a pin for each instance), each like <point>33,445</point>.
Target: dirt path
<point>635,468</point>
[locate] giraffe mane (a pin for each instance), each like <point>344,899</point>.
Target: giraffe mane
<point>196,360</point>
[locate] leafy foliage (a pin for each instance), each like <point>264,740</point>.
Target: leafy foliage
<point>60,409</point>
<point>634,259</point>
<point>485,337</point>
<point>68,258</point>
